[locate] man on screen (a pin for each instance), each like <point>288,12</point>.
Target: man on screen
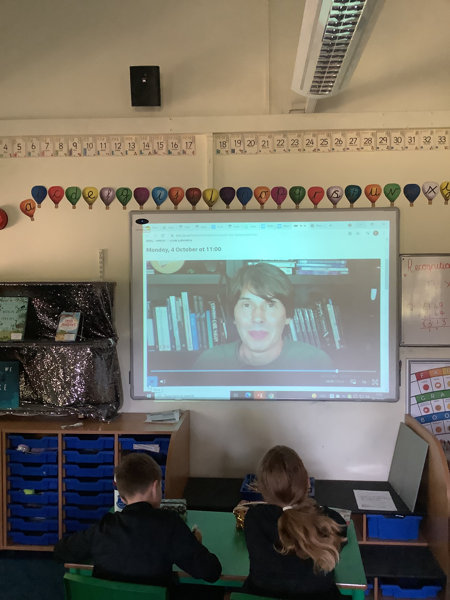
<point>262,300</point>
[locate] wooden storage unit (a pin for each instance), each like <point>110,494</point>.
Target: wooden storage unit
<point>125,424</point>
<point>428,557</point>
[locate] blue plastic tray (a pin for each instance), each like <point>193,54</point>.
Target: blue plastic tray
<point>90,499</point>
<point>41,484</point>
<point>46,456</point>
<point>72,525</point>
<point>81,485</point>
<point>132,444</point>
<point>99,471</point>
<point>48,511</point>
<point>393,527</point>
<point>102,442</point>
<point>33,539</point>
<point>75,512</point>
<point>50,441</point>
<point>19,524</point>
<point>33,471</point>
<point>19,497</point>
<point>246,491</point>
<point>427,591</point>
<point>45,483</point>
<point>101,457</point>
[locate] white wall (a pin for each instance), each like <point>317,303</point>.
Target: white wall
<point>64,67</point>
<point>71,58</point>
<point>344,440</point>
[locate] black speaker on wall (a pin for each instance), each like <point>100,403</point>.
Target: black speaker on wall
<point>145,87</point>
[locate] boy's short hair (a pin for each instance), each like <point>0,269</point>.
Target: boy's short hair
<point>135,473</point>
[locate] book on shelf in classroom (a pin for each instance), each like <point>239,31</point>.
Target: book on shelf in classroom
<point>68,326</point>
<point>9,384</point>
<point>187,322</point>
<point>13,318</point>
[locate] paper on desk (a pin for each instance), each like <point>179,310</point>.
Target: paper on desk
<point>169,416</point>
<point>374,500</point>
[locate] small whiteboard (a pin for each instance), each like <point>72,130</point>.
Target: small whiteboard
<point>425,310</point>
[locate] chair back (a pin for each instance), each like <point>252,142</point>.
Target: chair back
<point>82,587</point>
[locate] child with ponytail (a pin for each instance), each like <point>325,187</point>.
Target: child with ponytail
<point>293,543</point>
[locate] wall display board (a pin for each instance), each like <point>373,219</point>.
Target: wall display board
<point>428,399</point>
<point>264,305</point>
<point>425,306</point>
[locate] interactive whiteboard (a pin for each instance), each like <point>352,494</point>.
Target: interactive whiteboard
<point>425,300</point>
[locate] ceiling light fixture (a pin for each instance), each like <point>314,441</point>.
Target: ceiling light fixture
<point>332,38</point>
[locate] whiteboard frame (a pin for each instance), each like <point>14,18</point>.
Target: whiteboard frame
<point>411,341</point>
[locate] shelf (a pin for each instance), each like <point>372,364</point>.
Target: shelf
<point>130,425</point>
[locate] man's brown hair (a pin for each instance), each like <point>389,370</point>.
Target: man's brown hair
<point>135,473</point>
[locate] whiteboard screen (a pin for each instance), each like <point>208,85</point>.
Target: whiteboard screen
<point>425,300</point>
<point>264,305</point>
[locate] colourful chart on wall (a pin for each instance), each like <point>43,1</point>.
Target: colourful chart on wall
<point>429,395</point>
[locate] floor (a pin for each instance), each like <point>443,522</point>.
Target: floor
<point>30,576</point>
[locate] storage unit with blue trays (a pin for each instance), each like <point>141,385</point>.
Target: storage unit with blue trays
<point>88,473</point>
<point>32,500</point>
<point>156,446</point>
<point>62,478</point>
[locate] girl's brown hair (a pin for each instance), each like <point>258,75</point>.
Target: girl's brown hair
<point>303,528</point>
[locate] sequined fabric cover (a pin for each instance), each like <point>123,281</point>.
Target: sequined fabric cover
<point>79,378</point>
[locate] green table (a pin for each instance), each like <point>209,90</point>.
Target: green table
<point>222,538</point>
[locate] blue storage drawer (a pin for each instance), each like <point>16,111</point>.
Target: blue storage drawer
<point>138,444</point>
<point>393,527</point>
<point>33,539</point>
<point>82,485</point>
<point>43,457</point>
<point>247,493</point>
<point>82,471</point>
<point>50,441</point>
<point>33,471</point>
<point>395,591</point>
<point>101,457</point>
<point>22,483</point>
<point>47,511</point>
<point>72,525</point>
<point>85,442</point>
<point>37,524</point>
<point>93,514</point>
<point>90,499</point>
<point>19,497</point>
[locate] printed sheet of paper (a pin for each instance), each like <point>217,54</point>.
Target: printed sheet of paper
<point>374,500</point>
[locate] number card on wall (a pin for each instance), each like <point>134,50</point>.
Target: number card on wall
<point>425,307</point>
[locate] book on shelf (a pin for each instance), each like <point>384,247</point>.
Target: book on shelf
<point>68,326</point>
<point>188,322</point>
<point>151,339</point>
<point>187,319</point>
<point>318,325</point>
<point>9,384</point>
<point>332,313</point>
<point>13,318</point>
<point>172,307</point>
<point>162,328</point>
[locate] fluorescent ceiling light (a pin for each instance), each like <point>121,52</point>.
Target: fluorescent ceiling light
<point>332,37</point>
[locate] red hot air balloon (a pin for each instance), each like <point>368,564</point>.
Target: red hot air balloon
<point>315,194</point>
<point>3,219</point>
<point>56,194</point>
